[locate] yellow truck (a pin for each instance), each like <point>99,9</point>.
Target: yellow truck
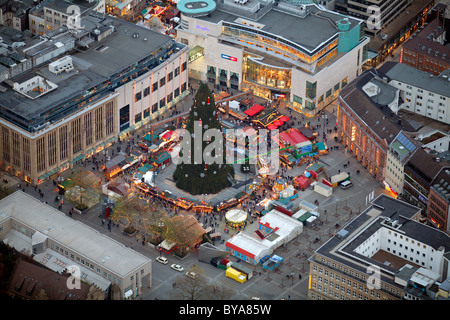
<point>236,275</point>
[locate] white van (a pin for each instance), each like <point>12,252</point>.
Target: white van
<point>346,184</point>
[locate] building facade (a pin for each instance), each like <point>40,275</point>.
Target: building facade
<point>439,201</point>
<point>256,46</point>
<point>57,242</point>
<point>420,171</point>
<point>51,15</point>
<point>421,92</point>
<point>379,256</point>
<point>52,120</point>
<point>399,152</point>
<point>366,125</point>
<point>426,49</point>
<point>381,12</point>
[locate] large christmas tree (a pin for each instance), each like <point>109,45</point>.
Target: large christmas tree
<point>197,174</point>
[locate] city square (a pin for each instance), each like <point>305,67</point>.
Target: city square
<point>224,150</point>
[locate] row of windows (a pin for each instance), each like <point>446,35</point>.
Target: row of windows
<point>85,263</point>
<point>162,82</point>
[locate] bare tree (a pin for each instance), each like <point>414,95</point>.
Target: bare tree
<point>221,291</point>
<point>191,289</point>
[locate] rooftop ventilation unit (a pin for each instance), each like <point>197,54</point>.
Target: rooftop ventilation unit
<point>65,64</point>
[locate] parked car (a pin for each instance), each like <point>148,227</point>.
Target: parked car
<point>162,260</point>
<point>191,275</point>
<point>177,267</point>
<point>346,184</point>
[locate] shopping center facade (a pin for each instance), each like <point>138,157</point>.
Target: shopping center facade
<point>303,55</point>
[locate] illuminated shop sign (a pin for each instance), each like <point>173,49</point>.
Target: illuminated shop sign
<point>225,56</point>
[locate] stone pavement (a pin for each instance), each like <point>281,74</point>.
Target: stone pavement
<point>286,283</point>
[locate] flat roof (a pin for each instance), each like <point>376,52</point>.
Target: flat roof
<point>310,32</point>
<point>342,248</point>
<point>125,46</point>
<point>75,235</point>
<point>128,44</point>
<point>418,78</point>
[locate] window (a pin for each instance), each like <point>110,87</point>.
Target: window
<point>311,89</point>
<point>184,66</point>
<point>177,71</point>
<point>162,103</point>
<point>138,96</point>
<point>155,86</point>
<point>146,91</point>
<point>162,82</point>
<point>170,76</point>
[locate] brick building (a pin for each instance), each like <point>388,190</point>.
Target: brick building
<point>366,125</point>
<point>426,50</point>
<point>439,200</point>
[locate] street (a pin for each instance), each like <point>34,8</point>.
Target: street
<point>290,280</point>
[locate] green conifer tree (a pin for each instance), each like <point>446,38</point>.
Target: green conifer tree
<point>201,178</point>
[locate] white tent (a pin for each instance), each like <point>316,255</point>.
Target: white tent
<point>234,104</point>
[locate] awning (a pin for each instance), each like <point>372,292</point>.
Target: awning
<point>128,294</point>
<point>255,109</point>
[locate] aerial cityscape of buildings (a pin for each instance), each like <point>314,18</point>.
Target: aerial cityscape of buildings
<point>95,100</point>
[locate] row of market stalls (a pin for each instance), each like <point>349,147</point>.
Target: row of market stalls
<point>275,229</point>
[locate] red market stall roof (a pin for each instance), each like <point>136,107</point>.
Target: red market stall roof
<point>284,118</point>
<point>300,138</point>
<point>287,138</point>
<point>302,181</point>
<point>167,135</point>
<point>272,126</point>
<point>255,109</point>
<point>278,123</point>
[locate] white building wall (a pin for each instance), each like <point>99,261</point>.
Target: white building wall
<point>394,173</point>
<point>127,92</point>
<point>423,102</point>
<point>345,68</point>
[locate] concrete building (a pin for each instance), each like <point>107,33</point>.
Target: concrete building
<point>427,48</point>
<point>257,45</point>
<point>434,141</point>
<point>59,242</point>
<point>420,171</point>
<point>366,125</point>
<point>439,201</point>
<point>51,15</point>
<point>394,34</point>
<point>399,152</point>
<point>14,14</point>
<point>51,120</point>
<point>381,12</point>
<point>420,92</point>
<point>381,255</point>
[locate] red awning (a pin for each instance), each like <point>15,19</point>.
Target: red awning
<point>255,109</point>
<point>278,123</point>
<point>272,126</point>
<point>284,118</point>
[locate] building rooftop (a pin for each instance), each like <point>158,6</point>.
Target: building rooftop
<point>426,164</point>
<point>417,78</point>
<point>404,146</point>
<point>378,117</point>
<point>123,44</point>
<point>88,242</point>
<point>310,32</point>
<point>428,48</point>
<point>441,184</point>
<point>400,23</point>
<point>384,212</point>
